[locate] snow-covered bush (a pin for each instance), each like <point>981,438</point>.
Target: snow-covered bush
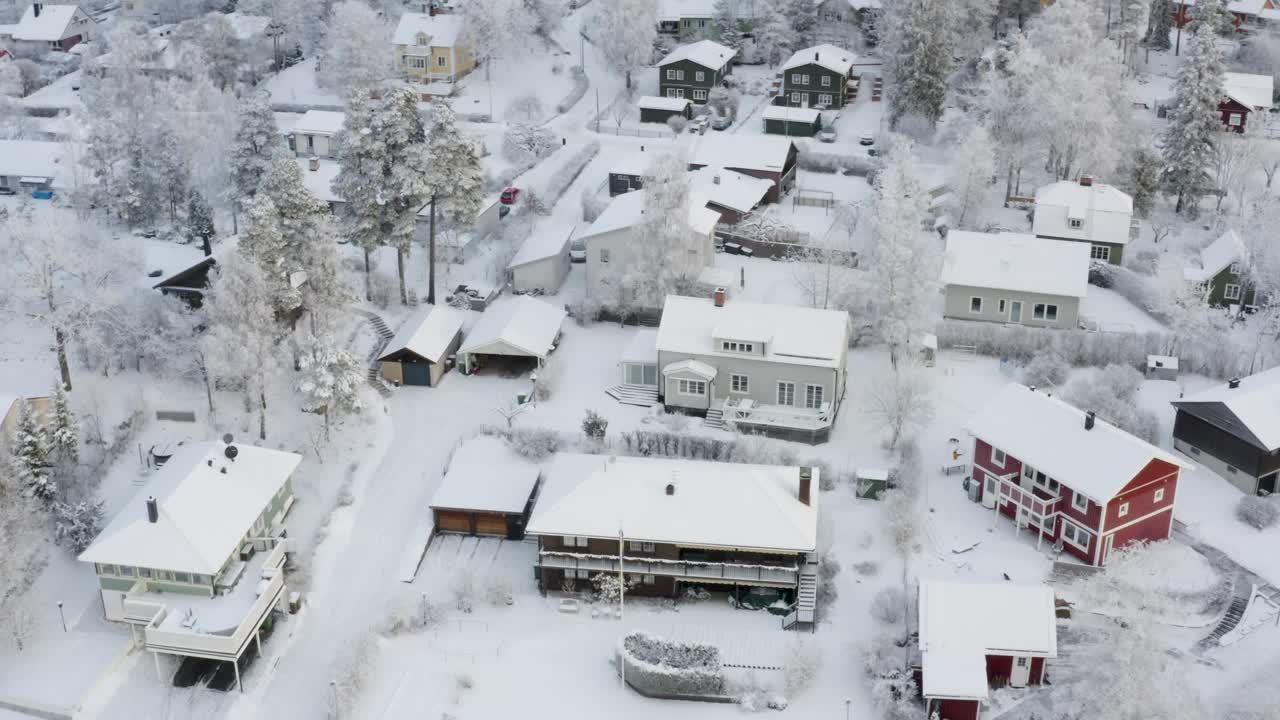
<point>594,426</point>
<point>677,123</point>
<point>803,663</point>
<point>532,443</point>
<point>827,591</point>
<point>548,380</point>
<point>584,311</point>
<point>526,108</point>
<point>560,181</point>
<point>592,204</point>
<point>498,590</point>
<point>411,616</point>
<point>575,94</point>
<point>352,677</point>
<point>901,521</point>
<point>1257,512</point>
<point>1111,393</point>
<point>893,689</point>
<point>76,525</point>
<point>527,143</point>
<point>1045,369</point>
<point>866,568</point>
<point>823,162</point>
<point>608,587</point>
<point>668,667</point>
<point>463,589</point>
<point>887,605</point>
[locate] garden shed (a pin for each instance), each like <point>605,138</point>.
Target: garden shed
<point>1162,367</point>
<point>655,109</point>
<point>542,263</point>
<point>419,352</point>
<point>487,490</point>
<point>795,122</point>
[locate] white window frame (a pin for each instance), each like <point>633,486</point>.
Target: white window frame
<point>1100,252</point>
<point>795,98</point>
<point>826,99</point>
<point>1235,119</point>
<point>671,74</point>
<point>826,81</point>
<point>1159,496</point>
<point>797,79</point>
<point>679,74</point>
<point>1234,268</point>
<point>574,541</point>
<point>1231,291</point>
<point>442,61</point>
<point>978,311</point>
<point>1075,223</point>
<point>1123,510</point>
<point>699,76</point>
<point>737,347</point>
<point>1076,499</point>
<point>1074,536</point>
<point>1002,306</point>
<point>814,396</point>
<point>999,457</point>
<point>1045,311</point>
<point>647,580</point>
<point>1022,661</point>
<point>788,397</point>
<point>699,94</point>
<point>604,255</point>
<point>739,383</point>
<point>692,388</point>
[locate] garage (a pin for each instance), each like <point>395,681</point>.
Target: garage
<point>419,352</point>
<point>487,489</point>
<point>513,336</point>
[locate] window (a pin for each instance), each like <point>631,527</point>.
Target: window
<point>671,74</point>
<point>739,383</point>
<point>1079,502</point>
<point>679,74</point>
<point>422,41</point>
<point>311,142</point>
<point>1076,535</point>
<point>1022,661</point>
<point>1231,292</point>
<point>797,79</point>
<point>699,94</point>
<point>795,98</point>
<point>182,577</point>
<point>1235,119</point>
<point>1001,305</point>
<point>646,580</point>
<point>975,304</point>
<point>671,92</point>
<point>1028,472</point>
<point>786,393</point>
<point>1043,311</point>
<point>1235,268</point>
<point>144,572</point>
<point>699,76</point>
<point>826,81</point>
<point>442,61</point>
<point>825,99</point>
<point>128,570</point>
<point>1159,497</point>
<point>998,457</point>
<point>604,255</point>
<point>1100,252</point>
<point>201,579</point>
<point>575,541</point>
<point>692,387</point>
<point>732,346</point>
<point>638,546</point>
<point>1124,509</point>
<point>813,396</point>
<point>580,574</point>
<point>106,569</point>
<point>1075,223</point>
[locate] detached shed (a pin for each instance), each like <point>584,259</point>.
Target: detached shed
<point>488,490</point>
<point>542,263</point>
<point>655,109</point>
<point>419,352</point>
<point>795,122</point>
<point>515,333</point>
<point>1162,367</point>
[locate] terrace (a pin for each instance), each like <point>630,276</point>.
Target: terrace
<point>723,572</point>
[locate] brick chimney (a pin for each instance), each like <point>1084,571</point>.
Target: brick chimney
<point>1088,420</point>
<point>1086,181</point>
<point>718,296</point>
<point>806,484</point>
<point>35,11</point>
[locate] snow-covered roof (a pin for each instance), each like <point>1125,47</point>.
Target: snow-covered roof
<point>729,189</point>
<point>203,513</point>
<point>6,30</point>
<point>1217,256</point>
<point>1254,403</point>
<point>706,53</point>
<point>247,26</point>
<point>319,122</point>
<point>714,504</point>
<point>963,622</point>
<point>1016,261</point>
<point>427,333</point>
<point>50,25</point>
<point>635,164</point>
<point>835,59</point>
<point>656,102</point>
<point>319,182</point>
<point>676,9</point>
<point>523,324</point>
<point>1050,435</point>
<point>766,153</point>
<point>1094,212</point>
<point>34,159</point>
<point>1082,198</point>
<point>486,475</point>
<point>627,210</point>
<point>643,347</point>
<point>1252,91</point>
<point>695,367</point>
<point>542,243</point>
<point>791,114</point>
<point>443,30</point>
<point>790,333</point>
<point>1162,361</point>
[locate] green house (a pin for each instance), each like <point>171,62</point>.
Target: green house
<point>792,121</point>
<point>819,77</point>
<point>1220,270</point>
<point>691,71</point>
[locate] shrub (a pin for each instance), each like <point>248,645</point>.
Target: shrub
<point>592,204</point>
<point>594,426</point>
<point>527,108</point>
<point>866,568</point>
<point>575,94</point>
<point>658,665</point>
<point>76,525</point>
<point>1257,512</point>
<point>560,181</point>
<point>1046,369</point>
<point>463,588</point>
<point>887,606</point>
<point>803,663</point>
<point>498,590</point>
<point>1111,393</point>
<point>411,617</point>
<point>527,143</point>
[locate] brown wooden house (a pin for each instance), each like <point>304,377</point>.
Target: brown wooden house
<point>487,490</point>
<point>1234,430</point>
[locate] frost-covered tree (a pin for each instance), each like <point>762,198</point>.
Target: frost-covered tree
<point>200,229</point>
<point>331,378</point>
<point>1160,24</point>
<point>242,339</point>
<point>1134,22</point>
<point>971,173</point>
<point>1143,178</point>
<point>63,430</point>
<point>492,27</point>
<point>1111,393</point>
<point>453,179</point>
<point>256,141</point>
<point>349,64</point>
<point>30,449</point>
<point>362,160</point>
<point>900,399</point>
<point>77,524</point>
<point>918,58</point>
<point>902,264</point>
<point>219,49</point>
<point>543,17</point>
<point>728,30</point>
<point>668,258</point>
<point>802,16</point>
<point>1007,100</point>
<point>775,36</point>
<point>1194,120</point>
<point>625,31</point>
<point>594,426</point>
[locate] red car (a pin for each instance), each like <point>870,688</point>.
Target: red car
<point>509,195</point>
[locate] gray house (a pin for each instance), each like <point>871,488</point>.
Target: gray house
<point>779,370</point>
<point>1014,278</point>
<point>691,71</point>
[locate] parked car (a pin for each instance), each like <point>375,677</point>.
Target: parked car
<point>827,135</point>
<point>6,191</point>
<point>699,125</point>
<point>510,195</point>
<point>721,122</point>
<point>867,140</point>
<point>578,251</point>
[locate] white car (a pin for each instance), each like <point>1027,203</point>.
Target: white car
<point>578,251</point>
<point>826,135</point>
<point>699,125</point>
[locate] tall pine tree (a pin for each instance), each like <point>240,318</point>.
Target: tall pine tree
<point>727,30</point>
<point>256,140</point>
<point>1160,25</point>
<point>30,450</point>
<point>361,161</point>
<point>453,179</point>
<point>917,58</point>
<point>1194,120</point>
<point>200,227</point>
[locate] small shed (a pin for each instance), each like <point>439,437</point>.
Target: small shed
<point>487,490</point>
<point>419,352</point>
<point>542,263</point>
<point>1162,367</point>
<point>795,122</point>
<point>514,335</point>
<point>929,349</point>
<point>870,483</point>
<point>655,109</point>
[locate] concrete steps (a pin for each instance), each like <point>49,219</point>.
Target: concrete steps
<point>714,419</point>
<point>638,395</point>
<point>384,335</point>
<point>1235,612</point>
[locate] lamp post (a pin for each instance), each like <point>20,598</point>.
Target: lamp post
<point>333,698</point>
<point>622,591</point>
<point>424,609</point>
<point>848,707</point>
<point>62,616</point>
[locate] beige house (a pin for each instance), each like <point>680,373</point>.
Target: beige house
<point>1014,278</point>
<point>428,48</point>
<point>419,353</point>
<point>315,134</point>
<point>11,406</point>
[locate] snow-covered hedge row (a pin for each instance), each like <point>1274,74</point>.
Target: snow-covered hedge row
<point>825,162</point>
<point>1082,348</point>
<point>579,89</point>
<point>655,665</point>
<point>562,178</point>
<point>1257,512</point>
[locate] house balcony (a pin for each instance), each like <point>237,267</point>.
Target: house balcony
<point>1036,508</point>
<point>811,425</point>
<point>695,571</point>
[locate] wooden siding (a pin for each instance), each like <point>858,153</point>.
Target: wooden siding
<point>810,91</point>
<point>710,79</point>
<point>1230,449</point>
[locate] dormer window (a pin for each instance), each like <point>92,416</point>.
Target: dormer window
<point>1075,223</point>
<point>422,41</point>
<point>738,347</point>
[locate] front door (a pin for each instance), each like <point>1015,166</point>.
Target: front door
<point>1106,549</point>
<point>1015,311</point>
<point>1021,672</point>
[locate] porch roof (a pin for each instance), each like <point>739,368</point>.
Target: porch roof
<point>694,367</point>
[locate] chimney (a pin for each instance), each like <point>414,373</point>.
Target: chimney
<point>1233,383</point>
<point>1088,420</point>
<point>153,510</point>
<point>815,56</point>
<point>716,179</point>
<point>718,296</point>
<point>35,10</point>
<point>806,484</point>
<point>671,488</point>
<point>1086,181</point>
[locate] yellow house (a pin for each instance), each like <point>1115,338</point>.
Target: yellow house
<point>11,406</point>
<point>428,48</point>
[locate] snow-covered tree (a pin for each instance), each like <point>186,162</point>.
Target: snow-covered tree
<point>902,264</point>
<point>63,430</point>
<point>200,228</point>
<point>1111,393</point>
<point>543,17</point>
<point>242,339</point>
<point>1160,25</point>
<point>1194,120</point>
<point>349,63</point>
<point>331,379</point>
<point>668,257</point>
<point>30,448</point>
<point>1134,23</point>
<point>1236,163</point>
<point>900,399</point>
<point>728,30</point>
<point>802,16</point>
<point>1143,178</point>
<point>453,179</point>
<point>219,49</point>
<point>256,141</point>
<point>1007,100</point>
<point>77,524</point>
<point>625,31</point>
<point>594,426</point>
<point>974,166</point>
<point>918,58</point>
<point>491,27</point>
<point>1211,18</point>
<point>775,37</point>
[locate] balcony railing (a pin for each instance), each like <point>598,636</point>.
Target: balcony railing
<point>735,572</point>
<point>745,410</point>
<point>1026,498</point>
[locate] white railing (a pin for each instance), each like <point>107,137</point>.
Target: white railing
<point>1260,610</point>
<point>745,410</point>
<point>741,572</point>
<point>1010,490</point>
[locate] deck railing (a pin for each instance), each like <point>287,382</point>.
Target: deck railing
<point>736,572</point>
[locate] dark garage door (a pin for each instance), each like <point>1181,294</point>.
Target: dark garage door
<point>417,373</point>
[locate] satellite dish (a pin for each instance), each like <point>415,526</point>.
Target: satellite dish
<point>231,452</point>
<point>227,438</point>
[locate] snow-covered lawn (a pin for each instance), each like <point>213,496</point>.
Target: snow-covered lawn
<point>1105,309</point>
<point>295,88</point>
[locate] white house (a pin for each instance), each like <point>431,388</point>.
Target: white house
<point>1086,211</point>
<point>27,165</point>
<point>52,28</point>
<point>542,262</point>
<point>196,559</point>
<point>313,135</point>
<point>1014,278</point>
<point>774,369</point>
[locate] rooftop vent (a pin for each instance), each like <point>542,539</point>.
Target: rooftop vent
<point>806,484</point>
<point>231,451</point>
<point>671,488</point>
<point>153,509</point>
<point>1088,420</point>
<point>1233,383</point>
<point>815,56</point>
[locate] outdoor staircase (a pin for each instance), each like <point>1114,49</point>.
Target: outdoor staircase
<point>384,335</point>
<point>804,612</point>
<point>1235,612</point>
<point>638,395</point>
<point>714,419</point>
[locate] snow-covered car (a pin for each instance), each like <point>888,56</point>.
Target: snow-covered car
<point>867,140</point>
<point>578,251</point>
<point>699,125</point>
<point>826,135</point>
<point>6,191</point>
<point>721,122</point>
<point>509,195</point>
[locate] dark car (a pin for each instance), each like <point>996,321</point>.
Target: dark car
<point>7,191</point>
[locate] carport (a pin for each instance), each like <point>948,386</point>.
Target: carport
<point>515,334</point>
<point>488,489</point>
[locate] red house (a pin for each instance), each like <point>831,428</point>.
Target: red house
<point>976,636</point>
<point>1243,94</point>
<point>1073,479</point>
<point>1243,12</point>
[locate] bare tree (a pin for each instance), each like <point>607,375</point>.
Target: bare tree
<point>20,624</point>
<point>901,398</point>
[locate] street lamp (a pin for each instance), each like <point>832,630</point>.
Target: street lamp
<point>333,698</point>
<point>62,616</point>
<point>848,707</point>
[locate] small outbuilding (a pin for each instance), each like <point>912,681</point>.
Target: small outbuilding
<point>1162,367</point>
<point>513,335</point>
<point>542,263</point>
<point>419,352</point>
<point>792,121</point>
<point>655,109</point>
<point>488,489</point>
